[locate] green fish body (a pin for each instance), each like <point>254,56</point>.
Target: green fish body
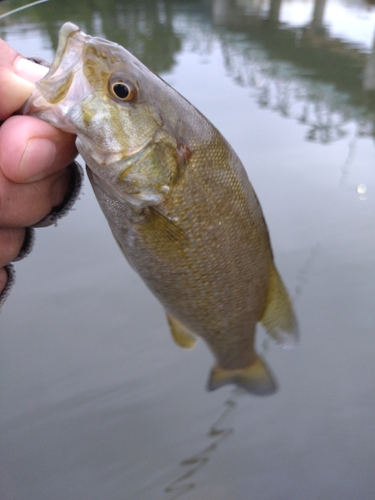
<point>177,199</point>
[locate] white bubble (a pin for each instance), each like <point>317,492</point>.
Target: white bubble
<point>361,189</point>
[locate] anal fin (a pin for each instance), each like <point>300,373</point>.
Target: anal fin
<point>255,379</point>
<point>181,335</point>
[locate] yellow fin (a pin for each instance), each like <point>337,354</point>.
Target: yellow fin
<point>255,379</point>
<point>278,318</point>
<point>181,335</point>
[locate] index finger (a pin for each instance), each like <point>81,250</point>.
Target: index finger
<point>17,77</point>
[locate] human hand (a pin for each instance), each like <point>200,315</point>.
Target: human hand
<point>34,159</point>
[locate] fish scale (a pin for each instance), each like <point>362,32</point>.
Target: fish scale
<point>178,201</point>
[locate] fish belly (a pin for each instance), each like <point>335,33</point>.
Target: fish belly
<point>206,261</point>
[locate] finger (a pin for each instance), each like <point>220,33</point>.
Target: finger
<point>17,79</point>
<point>11,241</point>
<point>31,149</point>
<point>24,205</point>
<point>29,70</point>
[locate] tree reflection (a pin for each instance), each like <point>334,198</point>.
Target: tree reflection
<point>318,15</point>
<point>144,27</point>
<point>302,73</point>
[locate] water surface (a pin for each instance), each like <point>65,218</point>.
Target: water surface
<point>96,399</point>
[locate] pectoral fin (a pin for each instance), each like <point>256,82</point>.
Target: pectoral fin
<point>278,318</point>
<point>255,379</point>
<point>164,227</point>
<point>181,335</point>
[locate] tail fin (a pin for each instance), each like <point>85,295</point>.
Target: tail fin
<point>278,317</point>
<point>255,379</point>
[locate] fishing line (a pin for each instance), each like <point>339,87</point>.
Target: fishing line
<point>22,8</point>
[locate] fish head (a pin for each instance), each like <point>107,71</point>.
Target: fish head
<point>99,91</point>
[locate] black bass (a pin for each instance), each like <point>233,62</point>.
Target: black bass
<point>177,199</point>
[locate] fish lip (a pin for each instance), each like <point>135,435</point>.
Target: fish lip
<point>67,60</point>
<point>66,64</point>
<point>67,31</point>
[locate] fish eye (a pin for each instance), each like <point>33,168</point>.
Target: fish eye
<point>122,90</point>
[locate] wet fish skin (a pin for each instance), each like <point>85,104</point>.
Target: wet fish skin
<point>177,199</point>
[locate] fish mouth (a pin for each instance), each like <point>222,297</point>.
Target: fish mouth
<point>67,31</point>
<point>54,93</point>
<point>68,60</point>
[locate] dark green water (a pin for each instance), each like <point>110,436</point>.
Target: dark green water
<point>96,401</point>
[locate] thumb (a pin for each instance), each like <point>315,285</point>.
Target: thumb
<point>17,77</point>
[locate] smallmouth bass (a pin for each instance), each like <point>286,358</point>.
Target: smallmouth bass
<point>177,199</point>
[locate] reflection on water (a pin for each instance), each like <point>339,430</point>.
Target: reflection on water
<point>96,402</point>
<point>192,465</point>
<point>300,71</point>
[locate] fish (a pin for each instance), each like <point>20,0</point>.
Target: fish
<point>178,201</point>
